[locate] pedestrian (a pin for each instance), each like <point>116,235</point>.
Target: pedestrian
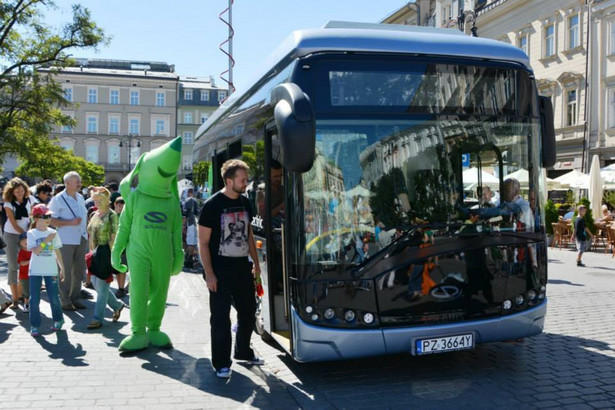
<point>45,245</point>
<point>191,210</point>
<point>23,259</point>
<point>43,192</point>
<point>17,205</point>
<point>582,234</point>
<point>225,241</point>
<point>102,229</point>
<point>122,289</point>
<point>115,194</point>
<point>70,216</point>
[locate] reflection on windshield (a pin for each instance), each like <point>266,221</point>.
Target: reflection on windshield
<point>372,180</point>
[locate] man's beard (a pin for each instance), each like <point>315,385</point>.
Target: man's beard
<point>238,190</point>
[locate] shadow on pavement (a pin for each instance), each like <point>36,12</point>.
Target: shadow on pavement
<point>527,374</point>
<point>5,329</point>
<point>199,374</point>
<point>71,355</point>
<point>562,282</point>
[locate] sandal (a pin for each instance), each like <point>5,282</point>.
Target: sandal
<point>4,307</point>
<point>117,313</point>
<point>94,324</point>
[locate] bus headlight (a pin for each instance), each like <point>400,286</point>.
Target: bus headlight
<point>519,300</point>
<point>309,309</point>
<point>368,318</point>
<point>506,305</point>
<point>315,317</point>
<point>541,296</point>
<point>531,295</point>
<point>329,314</point>
<point>349,316</point>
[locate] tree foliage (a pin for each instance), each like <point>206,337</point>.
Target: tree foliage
<point>30,100</point>
<point>53,162</point>
<point>199,172</point>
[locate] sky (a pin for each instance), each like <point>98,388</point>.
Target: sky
<point>187,33</point>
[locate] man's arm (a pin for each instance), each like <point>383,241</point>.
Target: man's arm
<point>204,234</point>
<point>253,253</point>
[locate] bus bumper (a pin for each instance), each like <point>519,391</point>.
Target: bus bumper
<point>315,343</point>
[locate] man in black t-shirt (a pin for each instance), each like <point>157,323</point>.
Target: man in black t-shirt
<point>225,241</point>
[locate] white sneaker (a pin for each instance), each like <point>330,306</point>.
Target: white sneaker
<point>26,308</point>
<point>256,361</point>
<point>224,373</point>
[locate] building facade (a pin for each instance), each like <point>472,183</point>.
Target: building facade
<point>198,98</point>
<point>122,109</point>
<point>573,66</point>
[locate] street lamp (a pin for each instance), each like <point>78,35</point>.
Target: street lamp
<point>130,146</point>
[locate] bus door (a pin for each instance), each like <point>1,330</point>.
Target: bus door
<point>270,211</point>
<point>275,189</point>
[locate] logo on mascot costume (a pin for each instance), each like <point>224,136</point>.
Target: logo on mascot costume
<point>155,217</point>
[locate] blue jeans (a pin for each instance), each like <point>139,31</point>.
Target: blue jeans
<point>104,297</point>
<point>51,286</point>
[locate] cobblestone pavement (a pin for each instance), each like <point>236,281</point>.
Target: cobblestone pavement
<point>570,365</point>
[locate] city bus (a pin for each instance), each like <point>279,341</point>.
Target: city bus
<point>386,214</point>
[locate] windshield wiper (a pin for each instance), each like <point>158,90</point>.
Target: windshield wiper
<point>406,237</point>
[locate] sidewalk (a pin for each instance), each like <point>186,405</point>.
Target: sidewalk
<point>79,368</point>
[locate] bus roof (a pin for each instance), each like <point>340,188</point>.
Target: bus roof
<point>381,38</point>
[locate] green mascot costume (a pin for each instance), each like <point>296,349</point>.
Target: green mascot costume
<point>151,233</point>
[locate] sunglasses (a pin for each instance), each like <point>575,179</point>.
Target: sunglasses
<point>44,217</point>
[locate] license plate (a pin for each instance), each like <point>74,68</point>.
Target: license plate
<point>444,344</point>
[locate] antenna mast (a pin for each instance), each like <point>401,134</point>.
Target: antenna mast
<point>229,41</point>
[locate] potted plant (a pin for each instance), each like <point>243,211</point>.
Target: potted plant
<point>551,216</point>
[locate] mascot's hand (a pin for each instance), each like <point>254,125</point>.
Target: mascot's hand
<point>178,263</point>
<point>116,262</point>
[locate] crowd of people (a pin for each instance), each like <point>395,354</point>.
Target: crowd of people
<point>56,237</point>
<point>49,232</point>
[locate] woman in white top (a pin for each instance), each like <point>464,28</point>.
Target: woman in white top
<point>17,205</point>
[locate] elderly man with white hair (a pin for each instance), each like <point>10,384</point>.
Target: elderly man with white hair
<point>70,219</point>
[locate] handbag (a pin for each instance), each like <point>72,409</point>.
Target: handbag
<point>100,265</point>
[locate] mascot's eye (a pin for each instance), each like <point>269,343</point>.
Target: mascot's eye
<point>165,174</point>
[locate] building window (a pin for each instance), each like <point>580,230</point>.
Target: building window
<point>204,95</point>
<point>134,126</point>
<point>221,96</point>
<point>187,163</point>
<point>91,152</point>
<point>92,125</point>
<point>187,94</point>
<point>187,118</point>
<point>160,99</point>
<point>67,144</point>
<point>187,137</point>
<point>573,31</point>
<point>159,127</point>
<point>114,97</point>
<point>203,118</point>
<point>135,152</point>
<point>92,95</point>
<point>113,152</point>
<point>611,96</point>
<point>134,98</point>
<point>114,125</point>
<point>571,107</point>
<point>612,38</point>
<point>549,40</point>
<point>67,129</point>
<point>523,43</point>
<point>68,94</point>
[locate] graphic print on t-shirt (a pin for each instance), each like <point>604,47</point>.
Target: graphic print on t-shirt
<point>234,233</point>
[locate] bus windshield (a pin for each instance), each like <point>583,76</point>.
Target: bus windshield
<point>464,156</point>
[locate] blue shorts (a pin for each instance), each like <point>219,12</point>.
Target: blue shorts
<point>582,246</point>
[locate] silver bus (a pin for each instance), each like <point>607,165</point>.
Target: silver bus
<point>397,188</point>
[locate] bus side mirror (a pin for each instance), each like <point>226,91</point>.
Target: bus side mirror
<point>294,118</point>
<point>549,155</point>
